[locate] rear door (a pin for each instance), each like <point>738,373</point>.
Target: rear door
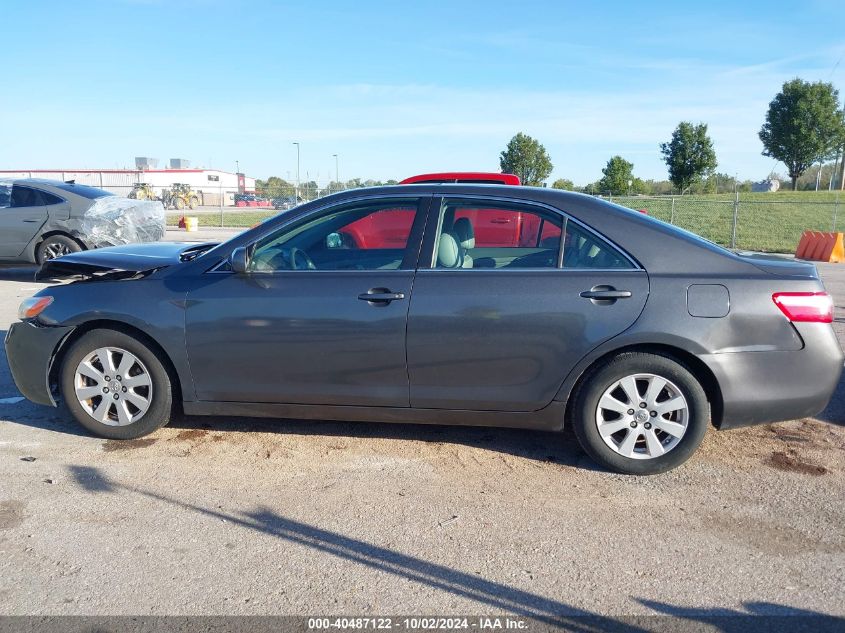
<point>22,214</point>
<point>497,327</point>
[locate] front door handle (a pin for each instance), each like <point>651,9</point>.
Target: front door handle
<point>380,296</point>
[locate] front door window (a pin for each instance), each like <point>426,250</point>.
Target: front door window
<point>366,236</point>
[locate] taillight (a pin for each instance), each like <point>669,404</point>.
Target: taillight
<point>805,307</point>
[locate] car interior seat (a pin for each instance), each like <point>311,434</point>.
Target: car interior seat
<point>449,251</point>
<point>465,235</point>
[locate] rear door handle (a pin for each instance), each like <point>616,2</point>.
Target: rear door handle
<point>606,294</point>
<point>380,296</point>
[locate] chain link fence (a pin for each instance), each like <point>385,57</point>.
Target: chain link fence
<point>256,211</point>
<point>767,222</point>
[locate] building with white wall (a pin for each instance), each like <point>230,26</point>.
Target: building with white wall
<point>212,185</point>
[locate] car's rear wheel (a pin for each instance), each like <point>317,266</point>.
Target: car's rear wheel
<point>55,246</point>
<point>640,414</point>
<point>115,386</point>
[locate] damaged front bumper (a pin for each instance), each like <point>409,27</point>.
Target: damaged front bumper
<point>30,350</point>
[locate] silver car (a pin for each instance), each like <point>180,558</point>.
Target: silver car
<point>44,219</point>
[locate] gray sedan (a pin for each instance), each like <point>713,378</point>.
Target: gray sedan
<point>441,304</point>
<point>44,219</point>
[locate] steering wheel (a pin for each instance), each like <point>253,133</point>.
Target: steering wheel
<point>299,260</point>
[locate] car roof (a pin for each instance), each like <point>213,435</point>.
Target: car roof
<point>463,176</point>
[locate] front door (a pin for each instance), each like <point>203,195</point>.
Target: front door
<point>22,213</point>
<point>319,318</point>
<point>499,317</point>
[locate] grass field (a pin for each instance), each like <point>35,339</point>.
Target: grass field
<point>231,218</point>
<point>769,222</point>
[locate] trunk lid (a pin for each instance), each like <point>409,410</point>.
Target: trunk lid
<point>777,265</point>
<point>120,262</point>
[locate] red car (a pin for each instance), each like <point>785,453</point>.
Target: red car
<point>479,177</point>
<point>482,228</point>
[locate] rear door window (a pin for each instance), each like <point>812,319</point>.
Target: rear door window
<point>25,197</point>
<point>492,234</point>
<point>583,249</point>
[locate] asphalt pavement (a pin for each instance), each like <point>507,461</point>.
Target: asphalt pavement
<point>232,516</point>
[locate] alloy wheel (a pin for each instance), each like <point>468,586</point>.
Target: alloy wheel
<point>642,416</point>
<point>113,386</point>
<point>55,249</point>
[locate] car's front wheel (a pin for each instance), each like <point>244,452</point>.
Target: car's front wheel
<point>640,413</point>
<point>115,386</point>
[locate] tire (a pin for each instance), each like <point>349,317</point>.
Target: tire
<point>55,246</point>
<point>137,418</point>
<point>194,202</point>
<point>653,439</point>
<point>180,203</point>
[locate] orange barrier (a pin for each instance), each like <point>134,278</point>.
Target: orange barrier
<point>821,247</point>
<point>804,244</point>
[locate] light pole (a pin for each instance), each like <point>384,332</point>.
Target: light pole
<point>296,192</point>
<point>237,167</point>
<point>336,172</point>
<point>630,182</point>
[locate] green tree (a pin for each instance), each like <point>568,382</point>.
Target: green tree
<point>527,158</point>
<point>274,187</point>
<point>563,183</point>
<point>803,125</point>
<point>657,187</point>
<point>617,175</point>
<point>308,190</point>
<point>689,155</point>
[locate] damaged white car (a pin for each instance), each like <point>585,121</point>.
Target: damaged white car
<point>45,219</point>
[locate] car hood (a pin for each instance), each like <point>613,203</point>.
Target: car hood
<point>121,262</point>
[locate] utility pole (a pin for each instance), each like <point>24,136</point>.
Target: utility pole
<point>296,192</point>
<point>237,167</point>
<point>841,170</point>
<point>336,172</point>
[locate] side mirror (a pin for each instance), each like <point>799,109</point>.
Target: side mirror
<point>239,260</point>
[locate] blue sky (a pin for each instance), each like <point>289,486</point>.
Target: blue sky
<point>397,88</point>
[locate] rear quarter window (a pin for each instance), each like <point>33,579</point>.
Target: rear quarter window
<point>49,198</point>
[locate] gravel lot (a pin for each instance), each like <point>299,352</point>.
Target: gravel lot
<point>234,516</point>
